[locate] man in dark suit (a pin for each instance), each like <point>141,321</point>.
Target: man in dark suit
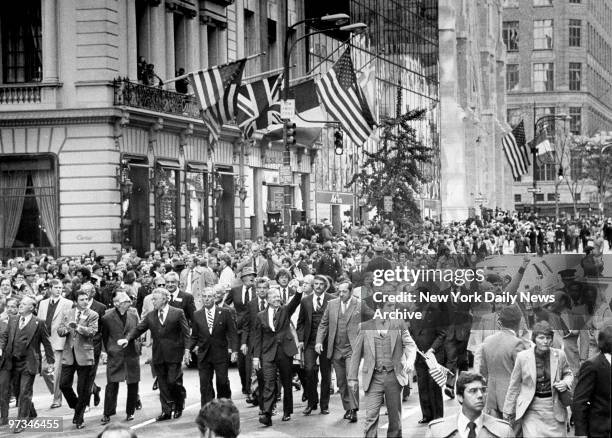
<point>429,334</point>
<point>79,326</point>
<point>213,334</point>
<point>178,298</point>
<point>21,338</point>
<point>274,350</point>
<point>240,296</point>
<point>336,336</point>
<point>591,404</point>
<point>312,309</point>
<point>258,304</point>
<point>455,345</point>
<point>123,363</point>
<point>170,334</point>
<point>100,309</point>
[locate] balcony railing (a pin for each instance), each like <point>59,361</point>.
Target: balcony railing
<point>155,99</point>
<point>28,95</point>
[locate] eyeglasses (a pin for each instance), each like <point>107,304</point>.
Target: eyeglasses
<point>160,284</point>
<point>473,391</point>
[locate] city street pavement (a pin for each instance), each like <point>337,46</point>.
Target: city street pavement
<point>315,425</point>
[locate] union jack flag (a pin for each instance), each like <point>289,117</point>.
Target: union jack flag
<point>259,105</point>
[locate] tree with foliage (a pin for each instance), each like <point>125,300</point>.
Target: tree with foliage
<point>396,169</point>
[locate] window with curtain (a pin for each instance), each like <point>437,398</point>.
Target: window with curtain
<point>196,190</point>
<point>21,42</point>
<point>167,204</point>
<point>28,205</point>
<point>542,34</point>
<point>543,76</point>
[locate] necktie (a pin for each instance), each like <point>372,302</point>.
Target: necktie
<point>78,316</point>
<point>472,427</point>
<point>161,317</point>
<point>318,303</point>
<point>343,307</point>
<point>22,323</point>
<point>210,319</point>
<point>261,304</point>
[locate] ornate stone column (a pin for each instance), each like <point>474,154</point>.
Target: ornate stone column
<point>49,41</point>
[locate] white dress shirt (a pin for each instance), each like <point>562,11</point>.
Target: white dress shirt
<point>26,320</point>
<point>462,425</point>
<point>164,312</point>
<point>315,305</point>
<point>271,318</point>
<point>608,357</point>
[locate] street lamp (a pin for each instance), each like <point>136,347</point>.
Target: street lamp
<point>534,151</point>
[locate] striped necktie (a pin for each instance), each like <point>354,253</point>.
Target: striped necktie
<point>210,318</point>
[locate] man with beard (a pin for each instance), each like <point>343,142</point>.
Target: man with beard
<point>470,422</point>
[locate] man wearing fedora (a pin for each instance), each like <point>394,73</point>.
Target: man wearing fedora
<point>241,295</point>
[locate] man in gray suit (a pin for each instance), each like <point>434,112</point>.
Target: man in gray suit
<point>79,325</point>
<point>389,353</point>
<point>51,310</point>
<point>498,355</point>
<point>340,326</point>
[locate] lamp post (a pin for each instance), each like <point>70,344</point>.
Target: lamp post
<point>337,22</point>
<point>534,151</point>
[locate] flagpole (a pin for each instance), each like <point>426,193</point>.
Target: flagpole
<point>178,78</point>
<point>265,73</point>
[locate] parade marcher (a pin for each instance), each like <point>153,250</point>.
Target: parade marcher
<point>100,309</point>
<point>429,333</point>
<point>274,351</point>
<point>21,339</point>
<point>336,336</point>
<point>471,421</point>
<point>258,304</point>
<point>123,364</point>
<point>328,264</point>
<point>591,404</point>
<point>170,334</point>
<point>51,310</point>
<point>535,393</point>
<point>190,276</point>
<point>178,298</point>
<point>240,296</point>
<point>385,371</point>
<point>498,357</point>
<point>213,334</point>
<point>312,309</point>
<point>79,326</point>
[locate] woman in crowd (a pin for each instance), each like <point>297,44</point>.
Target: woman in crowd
<point>538,387</point>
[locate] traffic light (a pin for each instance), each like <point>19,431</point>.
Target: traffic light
<point>558,196</point>
<point>290,139</point>
<point>338,143</point>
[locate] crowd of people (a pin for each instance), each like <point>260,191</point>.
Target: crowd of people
<point>292,310</point>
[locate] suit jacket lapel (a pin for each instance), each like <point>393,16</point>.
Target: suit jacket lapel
<point>393,332</point>
<point>532,365</point>
<point>370,337</point>
<point>349,308</point>
<point>30,329</point>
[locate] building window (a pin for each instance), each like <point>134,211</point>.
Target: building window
<point>167,202</point>
<point>577,197</point>
<point>514,116</point>
<point>272,45</point>
<point>546,172</point>
<point>512,77</point>
<point>542,2</point>
<point>575,30</point>
<point>510,3</point>
<point>550,196</point>
<point>539,197</point>
<point>543,34</point>
<point>543,76</point>
<point>576,168</point>
<point>575,113</point>
<point>28,200</point>
<point>575,69</point>
<point>510,34</point>
<point>21,42</point>
<point>517,198</point>
<point>196,190</point>
<point>251,41</point>
<point>575,1</point>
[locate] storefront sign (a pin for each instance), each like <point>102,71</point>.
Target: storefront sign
<point>334,198</point>
<point>285,177</point>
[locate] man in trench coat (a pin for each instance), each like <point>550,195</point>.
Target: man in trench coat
<point>123,364</point>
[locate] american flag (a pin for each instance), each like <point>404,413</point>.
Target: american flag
<point>258,104</point>
<point>436,371</point>
<point>516,150</point>
<point>216,91</point>
<point>344,100</point>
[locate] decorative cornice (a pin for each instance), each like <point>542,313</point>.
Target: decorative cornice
<point>82,116</point>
